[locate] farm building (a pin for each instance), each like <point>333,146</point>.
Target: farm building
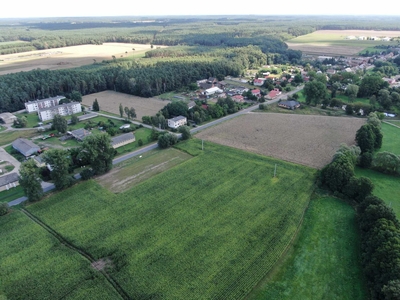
<point>37,105</point>
<point>7,118</point>
<point>25,147</point>
<point>8,181</point>
<point>79,134</point>
<point>289,104</point>
<point>122,140</point>
<point>177,121</point>
<point>66,109</point>
<point>212,91</point>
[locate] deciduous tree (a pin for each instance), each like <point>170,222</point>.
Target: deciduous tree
<point>59,161</point>
<point>121,110</point>
<point>30,181</point>
<point>60,124</point>
<point>96,106</point>
<point>315,92</point>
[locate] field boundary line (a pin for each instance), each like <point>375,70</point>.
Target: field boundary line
<point>391,124</point>
<point>86,255</point>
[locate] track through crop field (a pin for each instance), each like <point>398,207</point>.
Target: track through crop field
<point>305,139</point>
<point>109,101</point>
<point>208,228</point>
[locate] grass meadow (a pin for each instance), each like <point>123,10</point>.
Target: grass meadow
<point>11,194</point>
<point>35,265</point>
<point>391,140</point>
<point>324,262</point>
<point>7,137</point>
<point>210,227</point>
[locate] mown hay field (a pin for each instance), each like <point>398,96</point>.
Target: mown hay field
<point>35,265</point>
<point>109,101</point>
<point>209,228</point>
<point>304,139</point>
<point>334,42</point>
<point>68,57</point>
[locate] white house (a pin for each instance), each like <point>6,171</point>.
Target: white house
<point>212,91</point>
<point>37,105</point>
<point>177,121</point>
<point>65,109</point>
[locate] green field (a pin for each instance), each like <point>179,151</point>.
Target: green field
<point>210,227</point>
<point>324,262</point>
<point>35,265</point>
<point>11,194</point>
<point>391,139</point>
<point>7,137</point>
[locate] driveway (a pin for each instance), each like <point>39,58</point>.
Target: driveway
<point>7,157</point>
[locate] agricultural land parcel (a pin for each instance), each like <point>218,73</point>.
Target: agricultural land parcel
<point>210,227</point>
<point>109,101</point>
<point>334,42</point>
<point>324,262</point>
<point>68,57</point>
<point>305,139</point>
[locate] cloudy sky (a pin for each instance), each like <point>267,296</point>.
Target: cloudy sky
<point>47,8</point>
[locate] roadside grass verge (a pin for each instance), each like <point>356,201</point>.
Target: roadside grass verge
<point>210,227</point>
<point>35,265</point>
<point>324,262</point>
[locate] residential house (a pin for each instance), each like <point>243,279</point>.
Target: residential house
<point>289,104</point>
<point>37,105</point>
<point>238,98</point>
<point>122,140</point>
<point>79,134</point>
<point>258,82</point>
<point>177,121</point>
<point>66,109</point>
<point>256,92</point>
<point>8,181</point>
<point>25,147</point>
<point>38,159</point>
<point>191,104</point>
<point>274,93</point>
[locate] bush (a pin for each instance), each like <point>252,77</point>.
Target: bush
<point>261,106</point>
<point>87,173</point>
<point>3,209</point>
<point>167,140</point>
<point>185,131</point>
<point>140,142</point>
<point>365,160</point>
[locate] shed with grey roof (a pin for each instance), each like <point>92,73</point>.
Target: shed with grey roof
<point>80,134</point>
<point>25,147</point>
<point>122,140</point>
<point>8,181</point>
<point>7,118</point>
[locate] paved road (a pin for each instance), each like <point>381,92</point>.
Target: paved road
<point>49,186</point>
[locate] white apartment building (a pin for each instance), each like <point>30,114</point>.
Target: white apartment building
<point>177,121</point>
<point>65,109</point>
<point>37,105</point>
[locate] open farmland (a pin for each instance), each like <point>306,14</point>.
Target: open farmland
<point>109,101</point>
<point>35,265</point>
<point>334,42</point>
<point>208,228</point>
<point>68,57</point>
<point>325,262</point>
<point>305,139</point>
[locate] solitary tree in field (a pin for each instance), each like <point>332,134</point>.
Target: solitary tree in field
<point>126,109</point>
<point>30,181</point>
<point>121,110</point>
<point>96,106</point>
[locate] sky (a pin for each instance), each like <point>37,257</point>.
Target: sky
<point>80,8</point>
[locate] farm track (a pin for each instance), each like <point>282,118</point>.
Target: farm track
<point>86,255</point>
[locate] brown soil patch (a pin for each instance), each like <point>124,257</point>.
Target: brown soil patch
<point>304,139</point>
<point>109,101</point>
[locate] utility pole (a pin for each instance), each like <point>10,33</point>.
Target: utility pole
<point>275,171</point>
<point>202,144</point>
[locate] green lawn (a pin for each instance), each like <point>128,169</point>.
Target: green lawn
<point>324,262</point>
<point>346,99</point>
<point>210,227</point>
<point>140,134</point>
<point>11,194</point>
<point>33,119</point>
<point>35,265</point>
<point>391,138</point>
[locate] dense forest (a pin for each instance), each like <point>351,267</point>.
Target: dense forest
<point>144,78</point>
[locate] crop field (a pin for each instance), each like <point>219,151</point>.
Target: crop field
<point>208,228</point>
<point>140,168</point>
<point>109,101</point>
<point>67,57</point>
<point>324,263</point>
<point>35,265</point>
<point>305,139</point>
<point>334,42</point>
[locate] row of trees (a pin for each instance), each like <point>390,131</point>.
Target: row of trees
<point>96,151</point>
